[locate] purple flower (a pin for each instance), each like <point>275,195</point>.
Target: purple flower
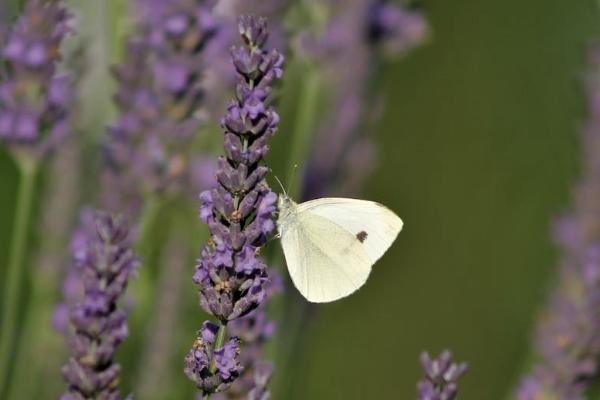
<point>397,29</point>
<point>440,379</point>
<point>254,330</point>
<point>240,210</point>
<point>220,73</point>
<point>199,365</point>
<point>568,337</point>
<point>34,98</point>
<point>159,100</point>
<point>105,263</point>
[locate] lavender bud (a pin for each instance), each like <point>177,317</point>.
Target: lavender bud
<point>398,29</point>
<point>105,262</point>
<point>203,357</point>
<point>440,380</point>
<point>239,212</point>
<point>159,100</point>
<point>34,98</point>
<point>568,334</point>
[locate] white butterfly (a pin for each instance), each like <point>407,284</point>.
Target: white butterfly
<point>331,244</point>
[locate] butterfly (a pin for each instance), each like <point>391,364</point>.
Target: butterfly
<point>331,244</point>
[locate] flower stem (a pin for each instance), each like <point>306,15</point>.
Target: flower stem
<point>15,269</point>
<point>304,124</point>
<point>142,288</point>
<point>218,344</point>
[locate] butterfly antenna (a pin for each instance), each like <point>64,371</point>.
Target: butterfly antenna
<point>280,184</point>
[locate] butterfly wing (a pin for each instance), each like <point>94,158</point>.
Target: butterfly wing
<point>325,261</point>
<point>374,225</point>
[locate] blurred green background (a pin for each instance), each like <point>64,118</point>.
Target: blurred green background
<point>478,151</point>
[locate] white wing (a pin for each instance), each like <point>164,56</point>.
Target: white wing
<point>376,225</point>
<point>325,261</point>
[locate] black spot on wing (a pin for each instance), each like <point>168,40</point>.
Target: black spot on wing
<point>362,236</point>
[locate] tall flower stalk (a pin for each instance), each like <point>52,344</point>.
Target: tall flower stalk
<point>60,201</point>
<point>568,337</point>
<point>105,263</point>
<point>33,120</point>
<point>239,213</point>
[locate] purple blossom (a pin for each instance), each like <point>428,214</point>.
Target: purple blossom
<point>440,379</point>
<point>159,100</point>
<point>568,337</point>
<point>105,263</point>
<point>199,365</point>
<point>240,210</point>
<point>254,330</point>
<point>220,72</point>
<point>34,97</point>
<point>398,29</point>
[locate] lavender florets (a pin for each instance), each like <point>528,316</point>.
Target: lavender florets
<point>568,336</point>
<point>105,263</point>
<point>440,379</point>
<point>160,99</point>
<point>397,28</point>
<point>212,369</point>
<point>254,331</point>
<point>240,210</point>
<point>34,97</point>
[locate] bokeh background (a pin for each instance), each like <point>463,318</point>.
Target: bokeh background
<point>479,149</point>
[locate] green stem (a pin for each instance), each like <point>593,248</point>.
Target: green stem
<point>304,124</point>
<point>142,287</point>
<point>147,223</point>
<point>218,344</point>
<point>150,212</point>
<point>15,269</point>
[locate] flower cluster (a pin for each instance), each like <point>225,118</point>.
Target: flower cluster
<point>440,380</point>
<point>212,369</point>
<point>254,331</point>
<point>159,99</point>
<point>105,263</point>
<point>34,98</point>
<point>396,28</point>
<point>568,337</point>
<point>72,285</point>
<point>220,74</point>
<point>240,210</point>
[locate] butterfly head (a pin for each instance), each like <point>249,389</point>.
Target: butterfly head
<point>284,203</point>
<point>286,207</point>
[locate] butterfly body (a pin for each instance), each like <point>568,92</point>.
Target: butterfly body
<point>330,244</point>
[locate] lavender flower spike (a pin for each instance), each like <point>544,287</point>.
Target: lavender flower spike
<point>106,263</point>
<point>240,210</point>
<point>440,381</point>
<point>567,342</point>
<point>34,98</point>
<point>160,99</point>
